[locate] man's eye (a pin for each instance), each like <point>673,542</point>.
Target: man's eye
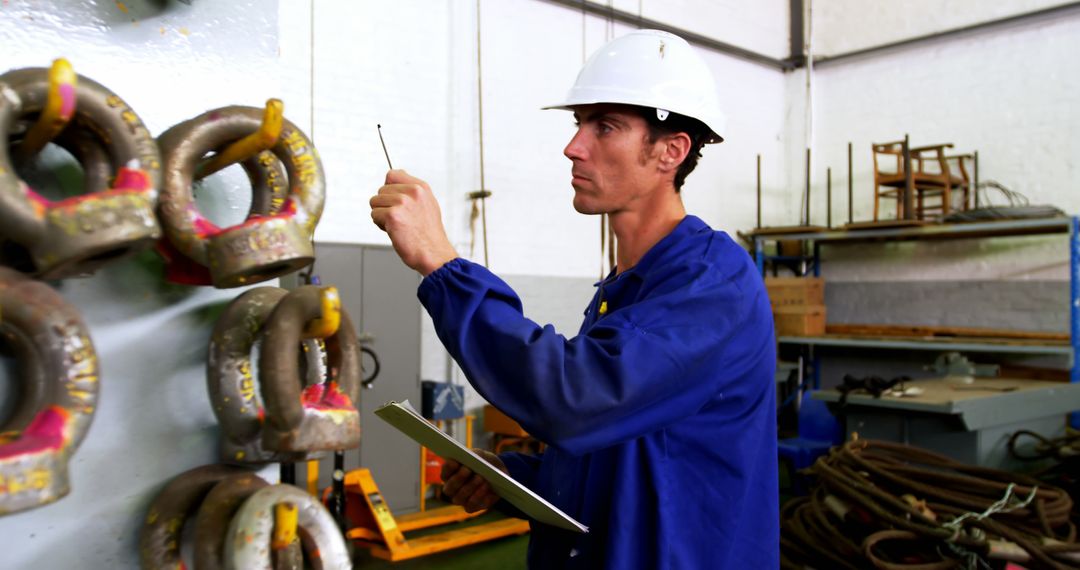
<point>604,128</point>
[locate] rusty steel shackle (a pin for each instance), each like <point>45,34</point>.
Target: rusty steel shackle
<point>59,371</point>
<point>322,416</point>
<point>159,538</point>
<point>262,247</point>
<point>77,235</point>
<point>248,543</point>
<point>230,377</point>
<point>269,187</point>
<point>215,514</point>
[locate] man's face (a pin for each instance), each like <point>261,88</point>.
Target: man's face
<point>614,163</point>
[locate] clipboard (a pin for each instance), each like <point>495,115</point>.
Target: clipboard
<point>406,420</point>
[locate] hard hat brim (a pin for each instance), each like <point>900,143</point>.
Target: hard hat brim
<point>713,138</point>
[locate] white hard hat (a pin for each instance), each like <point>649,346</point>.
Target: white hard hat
<point>650,68</point>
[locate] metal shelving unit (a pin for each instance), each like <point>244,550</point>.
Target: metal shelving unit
<point>1062,225</point>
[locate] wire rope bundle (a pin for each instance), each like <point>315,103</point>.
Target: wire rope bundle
<point>886,505</point>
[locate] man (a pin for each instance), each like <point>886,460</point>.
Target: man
<point>660,414</point>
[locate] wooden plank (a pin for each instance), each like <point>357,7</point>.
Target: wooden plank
<point>781,230</point>
<point>883,330</point>
<point>946,340</point>
<point>883,224</point>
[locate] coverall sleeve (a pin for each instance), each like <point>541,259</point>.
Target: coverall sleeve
<point>636,370</point>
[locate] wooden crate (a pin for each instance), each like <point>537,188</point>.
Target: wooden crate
<point>795,291</point>
<point>799,320</point>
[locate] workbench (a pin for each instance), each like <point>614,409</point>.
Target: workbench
<point>968,422</point>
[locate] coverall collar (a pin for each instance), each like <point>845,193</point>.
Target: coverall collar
<point>688,226</point>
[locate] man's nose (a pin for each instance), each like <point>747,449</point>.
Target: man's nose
<point>575,149</point>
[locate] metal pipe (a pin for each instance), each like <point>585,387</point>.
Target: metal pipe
<point>807,222</point>
<point>850,187</point>
<point>1037,14</point>
<point>758,191</point>
<point>828,197</point>
<point>628,18</point>
<point>797,33</point>
<point>976,160</point>
<point>1074,309</point>
<point>909,183</point>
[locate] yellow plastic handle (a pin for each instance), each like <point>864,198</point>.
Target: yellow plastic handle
<point>285,520</point>
<point>59,108</point>
<point>330,320</point>
<point>263,139</point>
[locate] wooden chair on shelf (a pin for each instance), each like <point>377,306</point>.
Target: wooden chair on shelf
<point>958,167</point>
<point>929,178</point>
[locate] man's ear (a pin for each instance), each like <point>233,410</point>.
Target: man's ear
<point>673,151</point>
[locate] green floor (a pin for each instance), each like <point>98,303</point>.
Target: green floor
<point>500,554</point>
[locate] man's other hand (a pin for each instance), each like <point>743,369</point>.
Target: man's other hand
<point>406,209</point>
<point>465,488</point>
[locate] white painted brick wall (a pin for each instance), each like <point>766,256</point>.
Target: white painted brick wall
<point>1008,93</point>
<point>412,67</point>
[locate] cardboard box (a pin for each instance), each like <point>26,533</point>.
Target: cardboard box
<point>799,321</point>
<point>795,291</point>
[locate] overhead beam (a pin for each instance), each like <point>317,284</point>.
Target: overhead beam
<point>692,37</point>
<point>983,26</point>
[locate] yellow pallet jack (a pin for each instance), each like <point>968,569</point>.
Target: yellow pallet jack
<point>376,528</point>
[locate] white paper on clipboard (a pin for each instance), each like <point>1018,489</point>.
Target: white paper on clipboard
<point>405,418</point>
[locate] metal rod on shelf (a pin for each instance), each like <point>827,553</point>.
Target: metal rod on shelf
<point>1074,313</point>
<point>976,160</point>
<point>909,182</point>
<point>828,197</point>
<point>758,192</point>
<point>807,221</point>
<point>850,186</point>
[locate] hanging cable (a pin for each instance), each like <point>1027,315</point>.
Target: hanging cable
<point>483,193</point>
<point>607,238</point>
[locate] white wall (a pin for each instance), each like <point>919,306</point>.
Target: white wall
<point>411,66</point>
<point>1007,92</point>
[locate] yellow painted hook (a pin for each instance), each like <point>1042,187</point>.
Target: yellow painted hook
<point>59,108</point>
<point>285,520</point>
<point>330,320</point>
<point>266,137</point>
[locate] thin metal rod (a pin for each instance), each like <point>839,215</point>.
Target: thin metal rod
<point>1037,14</point>
<point>603,242</point>
<point>828,197</point>
<point>807,221</point>
<point>758,191</point>
<point>694,38</point>
<point>480,120</point>
<point>381,141</point>
<point>976,160</point>
<point>311,68</point>
<point>909,182</point>
<point>850,186</point>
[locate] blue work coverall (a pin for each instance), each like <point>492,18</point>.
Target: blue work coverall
<point>660,415</point>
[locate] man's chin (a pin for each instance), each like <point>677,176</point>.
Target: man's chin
<point>583,207</point>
